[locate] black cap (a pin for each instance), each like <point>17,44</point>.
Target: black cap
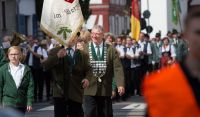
<point>158,34</point>
<point>174,31</point>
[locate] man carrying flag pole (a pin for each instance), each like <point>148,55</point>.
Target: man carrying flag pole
<point>135,20</point>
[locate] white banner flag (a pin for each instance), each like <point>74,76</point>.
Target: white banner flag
<point>61,19</point>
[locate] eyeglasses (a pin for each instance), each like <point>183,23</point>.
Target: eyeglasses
<point>13,54</point>
<point>94,33</point>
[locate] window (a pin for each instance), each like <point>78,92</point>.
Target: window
<point>3,15</point>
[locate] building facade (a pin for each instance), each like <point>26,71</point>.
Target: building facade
<point>8,22</point>
<point>18,16</point>
<point>111,14</point>
<point>27,19</point>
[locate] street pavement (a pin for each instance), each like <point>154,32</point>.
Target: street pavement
<point>133,107</point>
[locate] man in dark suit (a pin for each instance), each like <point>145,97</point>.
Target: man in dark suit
<point>105,64</point>
<point>59,69</point>
<point>69,67</point>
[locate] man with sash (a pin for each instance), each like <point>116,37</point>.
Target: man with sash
<point>174,91</point>
<point>105,64</point>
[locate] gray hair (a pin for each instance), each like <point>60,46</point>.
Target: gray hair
<point>98,27</point>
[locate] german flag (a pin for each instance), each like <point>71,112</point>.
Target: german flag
<point>135,20</point>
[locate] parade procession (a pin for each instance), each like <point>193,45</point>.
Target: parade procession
<point>99,58</point>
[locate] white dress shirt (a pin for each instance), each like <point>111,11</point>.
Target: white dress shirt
<point>17,73</point>
<point>167,49</point>
<point>129,51</point>
<point>39,51</point>
<point>72,50</point>
<point>136,54</point>
<point>120,49</point>
<point>148,46</point>
<point>43,52</point>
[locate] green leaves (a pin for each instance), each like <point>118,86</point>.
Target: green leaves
<point>64,31</point>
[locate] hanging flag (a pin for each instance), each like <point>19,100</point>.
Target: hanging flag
<point>135,20</point>
<point>61,19</point>
<point>176,10</point>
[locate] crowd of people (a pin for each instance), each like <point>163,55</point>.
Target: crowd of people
<point>95,68</point>
<point>140,57</point>
<point>78,76</point>
<point>174,91</point>
<point>137,58</point>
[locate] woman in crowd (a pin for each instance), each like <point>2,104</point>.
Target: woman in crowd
<point>168,53</point>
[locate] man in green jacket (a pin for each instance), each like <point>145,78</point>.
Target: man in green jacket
<point>105,64</point>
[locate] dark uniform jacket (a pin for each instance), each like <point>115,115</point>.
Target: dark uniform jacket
<point>59,70</point>
<point>68,74</point>
<point>114,69</point>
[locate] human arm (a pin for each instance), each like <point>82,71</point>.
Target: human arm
<point>53,58</point>
<point>118,72</point>
<point>30,92</point>
<point>36,54</point>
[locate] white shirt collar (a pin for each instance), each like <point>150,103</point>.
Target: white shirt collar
<point>13,66</point>
<point>100,45</point>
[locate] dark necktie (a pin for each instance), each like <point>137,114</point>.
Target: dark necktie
<point>145,48</point>
<point>69,52</point>
<point>98,52</point>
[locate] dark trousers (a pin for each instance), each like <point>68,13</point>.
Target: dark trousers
<point>75,109</point>
<point>144,66</point>
<point>60,107</point>
<point>21,110</point>
<point>127,73</point>
<point>154,67</point>
<point>38,83</point>
<point>47,79</point>
<point>136,79</point>
<point>98,106</point>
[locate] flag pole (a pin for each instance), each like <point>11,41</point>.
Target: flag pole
<point>148,18</point>
<point>179,17</point>
<point>180,24</point>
